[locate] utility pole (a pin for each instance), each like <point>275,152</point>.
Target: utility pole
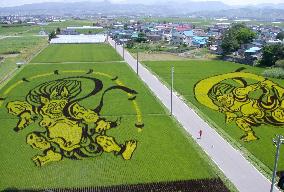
<point>278,141</point>
<point>137,59</point>
<point>172,87</point>
<point>123,50</point>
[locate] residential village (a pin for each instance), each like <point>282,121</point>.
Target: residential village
<point>185,39</point>
<point>190,37</point>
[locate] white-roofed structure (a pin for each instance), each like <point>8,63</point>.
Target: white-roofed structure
<point>86,27</point>
<point>65,39</point>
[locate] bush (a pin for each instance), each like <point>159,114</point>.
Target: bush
<point>274,73</point>
<point>279,63</point>
<point>11,52</point>
<point>130,44</point>
<point>271,54</point>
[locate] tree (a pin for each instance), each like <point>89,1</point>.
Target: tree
<point>236,36</point>
<point>52,35</point>
<point>229,43</point>
<point>280,35</point>
<point>129,44</point>
<point>272,53</point>
<point>58,30</point>
<point>245,35</point>
<point>141,37</point>
<point>125,26</point>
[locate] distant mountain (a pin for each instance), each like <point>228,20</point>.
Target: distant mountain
<point>106,7</point>
<point>193,6</point>
<point>271,6</point>
<point>265,14</point>
<point>146,7</point>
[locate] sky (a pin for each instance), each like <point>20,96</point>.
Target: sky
<point>8,3</point>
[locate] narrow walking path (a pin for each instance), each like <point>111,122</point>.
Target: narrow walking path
<point>236,168</point>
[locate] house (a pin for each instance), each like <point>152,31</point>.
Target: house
<point>154,37</point>
<point>199,41</point>
<point>188,37</point>
<point>177,38</point>
<point>252,54</point>
<point>252,51</point>
<point>166,35</point>
<point>274,41</point>
<point>134,36</point>
<point>183,27</point>
<point>125,34</point>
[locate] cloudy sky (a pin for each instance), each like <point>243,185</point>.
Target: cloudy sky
<point>6,3</point>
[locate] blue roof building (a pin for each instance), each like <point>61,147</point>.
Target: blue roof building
<point>199,41</point>
<point>189,33</point>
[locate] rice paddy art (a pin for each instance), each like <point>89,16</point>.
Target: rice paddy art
<point>247,99</point>
<point>72,130</point>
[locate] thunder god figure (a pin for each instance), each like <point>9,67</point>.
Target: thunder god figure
<point>71,130</point>
<point>248,105</point>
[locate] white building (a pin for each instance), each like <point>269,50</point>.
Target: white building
<point>65,39</point>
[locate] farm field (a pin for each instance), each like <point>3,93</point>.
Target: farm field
<point>126,136</point>
<point>17,44</point>
<point>34,29</point>
<point>18,49</point>
<point>194,80</point>
<point>14,30</point>
<point>77,53</point>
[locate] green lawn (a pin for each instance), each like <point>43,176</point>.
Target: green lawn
<point>188,73</point>
<point>77,53</point>
<point>164,151</point>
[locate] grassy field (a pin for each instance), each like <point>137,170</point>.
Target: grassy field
<point>18,49</point>
<point>158,57</point>
<point>164,152</point>
<point>196,21</point>
<point>18,44</point>
<point>188,73</point>
<point>90,31</point>
<point>77,53</point>
<point>34,29</point>
<point>14,30</point>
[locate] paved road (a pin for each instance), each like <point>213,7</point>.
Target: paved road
<point>241,173</point>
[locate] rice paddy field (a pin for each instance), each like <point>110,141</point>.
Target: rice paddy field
<point>94,125</point>
<point>77,53</point>
<point>208,85</point>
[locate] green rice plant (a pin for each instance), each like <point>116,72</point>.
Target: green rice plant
<point>77,53</point>
<point>164,152</point>
<point>189,73</point>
